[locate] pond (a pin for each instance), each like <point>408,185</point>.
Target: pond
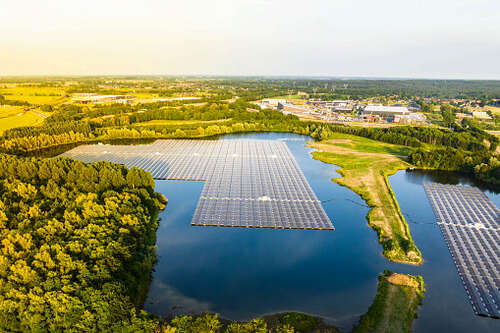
<point>245,273</point>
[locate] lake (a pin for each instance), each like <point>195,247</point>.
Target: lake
<point>244,273</point>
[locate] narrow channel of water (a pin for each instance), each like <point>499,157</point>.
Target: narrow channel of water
<point>244,273</point>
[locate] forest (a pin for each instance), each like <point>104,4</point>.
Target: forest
<point>217,88</point>
<point>77,245</point>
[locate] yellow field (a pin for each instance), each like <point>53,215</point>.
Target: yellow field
<point>15,116</point>
<point>34,95</point>
<point>493,109</point>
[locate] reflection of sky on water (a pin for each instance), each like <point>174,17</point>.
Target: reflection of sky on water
<point>243,273</point>
<point>165,296</point>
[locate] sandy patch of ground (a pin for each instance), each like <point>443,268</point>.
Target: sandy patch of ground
<point>402,280</point>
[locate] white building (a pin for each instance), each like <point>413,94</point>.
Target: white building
<point>274,101</point>
<point>480,115</point>
<point>386,111</point>
<point>92,98</point>
<point>174,99</point>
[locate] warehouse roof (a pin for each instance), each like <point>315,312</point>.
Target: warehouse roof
<point>387,109</point>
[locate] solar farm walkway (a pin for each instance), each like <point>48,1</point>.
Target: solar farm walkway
<point>470,224</point>
<point>248,183</point>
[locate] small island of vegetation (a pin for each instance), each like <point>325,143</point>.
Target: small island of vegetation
<point>395,305</point>
<point>365,165</point>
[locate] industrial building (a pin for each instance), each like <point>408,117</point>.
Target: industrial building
<point>273,102</point>
<point>174,99</point>
<point>412,118</point>
<point>333,106</point>
<point>94,98</point>
<point>386,111</point>
<point>294,109</point>
<point>480,115</point>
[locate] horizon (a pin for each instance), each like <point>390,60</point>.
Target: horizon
<point>242,76</point>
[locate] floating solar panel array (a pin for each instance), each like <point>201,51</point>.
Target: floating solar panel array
<point>248,183</point>
<point>470,224</point>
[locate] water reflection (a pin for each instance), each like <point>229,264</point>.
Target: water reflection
<point>244,273</point>
<point>167,297</point>
<point>447,177</point>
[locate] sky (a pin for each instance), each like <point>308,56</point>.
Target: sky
<point>456,39</point>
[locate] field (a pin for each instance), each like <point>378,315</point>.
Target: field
<point>34,94</point>
<point>394,307</point>
<point>365,165</point>
<point>16,116</point>
<point>493,109</point>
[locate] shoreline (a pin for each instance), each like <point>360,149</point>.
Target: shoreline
<point>396,241</point>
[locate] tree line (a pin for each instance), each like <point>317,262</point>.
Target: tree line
<point>4,101</point>
<point>69,125</point>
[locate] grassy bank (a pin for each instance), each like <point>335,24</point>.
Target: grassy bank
<point>395,305</point>
<point>365,165</point>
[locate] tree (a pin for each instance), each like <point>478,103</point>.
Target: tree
<point>46,108</point>
<point>448,114</point>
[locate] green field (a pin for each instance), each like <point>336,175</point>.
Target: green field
<point>493,109</point>
<point>33,94</point>
<point>365,145</point>
<point>15,116</point>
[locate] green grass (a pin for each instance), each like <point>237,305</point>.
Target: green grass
<point>394,307</point>
<point>347,162</point>
<point>365,145</point>
<point>14,116</point>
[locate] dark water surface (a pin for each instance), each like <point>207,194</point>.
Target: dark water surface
<point>245,273</point>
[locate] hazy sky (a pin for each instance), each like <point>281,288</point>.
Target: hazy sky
<point>389,38</point>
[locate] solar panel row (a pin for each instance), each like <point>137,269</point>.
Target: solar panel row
<point>248,183</point>
<point>470,224</point>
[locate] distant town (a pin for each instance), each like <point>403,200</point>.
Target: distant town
<point>400,112</point>
<point>345,110</point>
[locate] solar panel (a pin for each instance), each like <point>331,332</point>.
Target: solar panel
<point>470,224</point>
<point>253,183</point>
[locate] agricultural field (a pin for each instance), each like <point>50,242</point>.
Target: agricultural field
<point>494,109</point>
<point>34,94</point>
<point>17,116</point>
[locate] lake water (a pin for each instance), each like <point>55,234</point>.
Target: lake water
<point>245,273</point>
